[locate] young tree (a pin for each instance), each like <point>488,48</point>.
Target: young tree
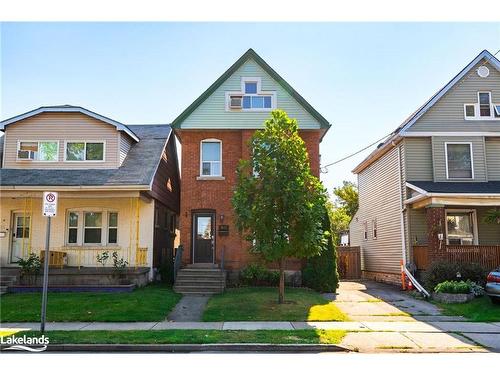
<point>279,204</point>
<point>347,197</point>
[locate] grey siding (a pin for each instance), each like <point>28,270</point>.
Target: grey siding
<point>125,144</point>
<point>478,155</point>
<point>489,234</point>
<point>418,159</point>
<point>493,158</point>
<point>447,114</point>
<point>380,199</point>
<point>211,114</point>
<point>418,226</point>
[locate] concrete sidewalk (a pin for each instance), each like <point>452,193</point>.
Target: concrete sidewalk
<point>430,327</point>
<point>364,336</point>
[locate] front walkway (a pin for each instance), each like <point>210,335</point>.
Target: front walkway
<point>372,301</point>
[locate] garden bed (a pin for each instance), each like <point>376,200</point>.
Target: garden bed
<point>73,288</point>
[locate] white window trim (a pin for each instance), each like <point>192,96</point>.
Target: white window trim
<point>477,107</point>
<point>210,176</point>
<point>374,229</point>
<point>241,93</point>
<point>81,227</point>
<point>38,141</point>
<point>475,239</point>
<point>365,230</point>
<point>471,160</point>
<point>108,227</point>
<point>85,151</point>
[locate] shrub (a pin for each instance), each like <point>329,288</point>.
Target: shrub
<point>453,287</point>
<point>30,268</point>
<point>320,272</point>
<point>451,271</point>
<point>258,275</point>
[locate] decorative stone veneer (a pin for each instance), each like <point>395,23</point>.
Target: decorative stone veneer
<point>388,278</point>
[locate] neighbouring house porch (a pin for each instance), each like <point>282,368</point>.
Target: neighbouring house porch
<point>454,233</point>
<point>91,229</point>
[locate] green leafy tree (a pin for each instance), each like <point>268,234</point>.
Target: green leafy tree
<point>279,204</point>
<point>347,197</point>
<point>492,216</point>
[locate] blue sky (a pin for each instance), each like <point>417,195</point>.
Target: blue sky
<point>365,78</point>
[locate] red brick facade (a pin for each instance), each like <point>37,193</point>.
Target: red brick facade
<point>436,221</point>
<point>216,194</point>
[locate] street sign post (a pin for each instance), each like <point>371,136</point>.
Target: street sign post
<point>49,209</point>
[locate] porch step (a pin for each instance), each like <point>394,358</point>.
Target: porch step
<point>6,281</point>
<point>197,280</point>
<point>3,289</point>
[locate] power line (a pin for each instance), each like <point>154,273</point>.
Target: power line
<point>324,168</point>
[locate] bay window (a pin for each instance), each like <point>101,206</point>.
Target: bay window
<point>91,227</point>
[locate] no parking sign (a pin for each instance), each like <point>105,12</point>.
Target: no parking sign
<point>49,203</point>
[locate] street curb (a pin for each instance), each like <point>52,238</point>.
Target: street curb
<point>193,348</point>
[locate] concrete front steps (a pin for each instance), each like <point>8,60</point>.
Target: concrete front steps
<point>6,281</point>
<point>200,279</point>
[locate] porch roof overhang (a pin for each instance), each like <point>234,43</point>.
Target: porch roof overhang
<point>439,194</point>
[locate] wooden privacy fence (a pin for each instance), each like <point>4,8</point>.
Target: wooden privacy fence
<point>486,256</point>
<point>349,262</point>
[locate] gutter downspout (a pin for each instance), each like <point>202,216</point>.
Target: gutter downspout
<point>417,285</point>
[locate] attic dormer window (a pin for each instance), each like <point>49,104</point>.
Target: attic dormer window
<point>484,109</point>
<point>251,97</point>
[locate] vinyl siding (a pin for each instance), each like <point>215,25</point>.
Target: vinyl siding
<point>418,159</point>
<point>489,234</point>
<point>380,199</point>
<point>493,158</point>
<point>447,114</point>
<point>61,127</point>
<point>418,226</point>
<point>212,114</point>
<point>478,155</point>
<point>125,144</point>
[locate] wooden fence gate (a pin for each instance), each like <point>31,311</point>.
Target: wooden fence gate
<point>349,262</point>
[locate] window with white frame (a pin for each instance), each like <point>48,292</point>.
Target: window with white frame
<point>459,162</point>
<point>91,227</point>
<point>84,151</point>
<point>484,109</point>
<point>251,97</point>
<point>374,229</point>
<point>211,158</point>
<point>365,230</point>
<point>461,227</point>
<point>38,150</point>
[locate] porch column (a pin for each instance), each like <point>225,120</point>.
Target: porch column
<point>436,222</point>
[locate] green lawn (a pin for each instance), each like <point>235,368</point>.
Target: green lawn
<point>478,310</point>
<point>192,337</point>
<point>241,304</point>
<point>150,303</point>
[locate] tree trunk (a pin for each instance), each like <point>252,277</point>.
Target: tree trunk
<point>281,297</point>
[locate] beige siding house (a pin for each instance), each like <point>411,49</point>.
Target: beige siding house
<point>424,192</point>
<point>106,174</point>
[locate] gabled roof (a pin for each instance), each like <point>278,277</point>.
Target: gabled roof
<point>400,131</point>
<point>137,171</point>
<point>69,108</point>
<point>251,54</point>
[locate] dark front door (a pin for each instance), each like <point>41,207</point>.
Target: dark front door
<point>203,241</point>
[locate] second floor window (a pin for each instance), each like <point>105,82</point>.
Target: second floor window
<point>484,104</point>
<point>459,160</point>
<point>85,151</point>
<point>38,150</point>
<point>211,157</point>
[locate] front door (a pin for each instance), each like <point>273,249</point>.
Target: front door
<point>203,238</point>
<point>20,236</point>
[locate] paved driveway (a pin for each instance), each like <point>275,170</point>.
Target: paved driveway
<point>372,301</point>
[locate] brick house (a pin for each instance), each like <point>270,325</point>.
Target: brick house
<point>213,132</point>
